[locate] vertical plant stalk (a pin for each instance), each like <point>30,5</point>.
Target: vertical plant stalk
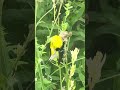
<point>54,6</point>
<point>3,52</point>
<point>4,57</point>
<point>66,63</point>
<point>1,6</point>
<point>38,64</point>
<point>55,21</point>
<point>37,56</point>
<point>21,49</point>
<point>2,41</point>
<point>73,68</point>
<point>43,16</point>
<point>4,60</point>
<point>60,78</point>
<point>66,67</point>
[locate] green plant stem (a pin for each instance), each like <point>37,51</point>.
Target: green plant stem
<point>35,35</point>
<point>38,66</point>
<point>54,5</point>
<point>27,88</point>
<point>52,27</point>
<point>62,66</point>
<point>67,77</point>
<point>60,78</point>
<point>66,67</point>
<point>43,16</point>
<point>55,21</point>
<point>36,24</point>
<point>41,76</point>
<point>106,79</point>
<point>1,6</point>
<point>66,64</point>
<point>58,13</point>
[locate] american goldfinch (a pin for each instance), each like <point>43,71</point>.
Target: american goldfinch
<point>57,44</point>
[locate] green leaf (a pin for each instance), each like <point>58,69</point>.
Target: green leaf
<point>18,63</point>
<point>82,78</point>
<point>46,81</point>
<point>82,88</point>
<point>5,66</point>
<point>64,26</point>
<point>55,78</point>
<point>38,85</point>
<point>108,29</point>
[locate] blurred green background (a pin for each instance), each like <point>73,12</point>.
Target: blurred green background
<point>103,34</point>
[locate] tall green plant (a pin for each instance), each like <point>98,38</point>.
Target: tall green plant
<point>51,18</point>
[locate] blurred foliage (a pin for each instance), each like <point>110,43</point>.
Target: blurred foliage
<point>103,34</point>
<point>16,43</point>
<point>52,17</point>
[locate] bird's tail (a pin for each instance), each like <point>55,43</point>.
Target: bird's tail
<point>54,55</point>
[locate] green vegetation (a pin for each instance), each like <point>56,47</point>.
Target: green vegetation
<point>16,64</point>
<point>103,34</point>
<point>52,17</point>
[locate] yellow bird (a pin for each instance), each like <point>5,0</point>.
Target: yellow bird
<point>55,44</point>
